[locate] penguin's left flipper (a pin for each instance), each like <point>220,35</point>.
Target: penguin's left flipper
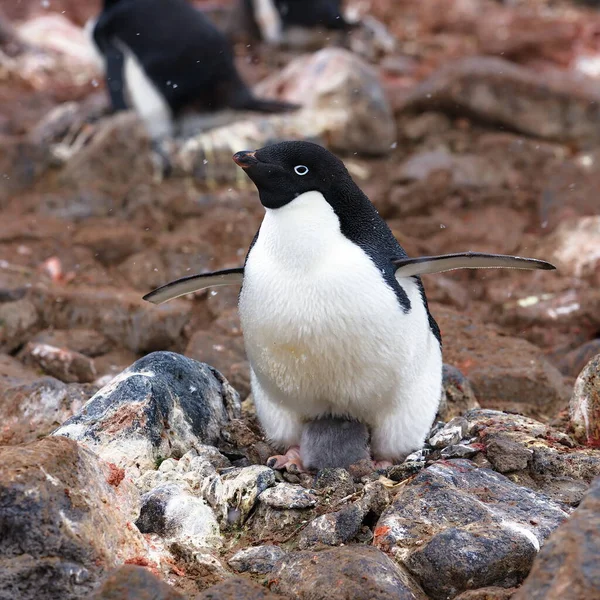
<point>195,283</point>
<point>423,265</point>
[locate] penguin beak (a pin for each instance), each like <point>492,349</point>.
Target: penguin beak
<point>245,159</point>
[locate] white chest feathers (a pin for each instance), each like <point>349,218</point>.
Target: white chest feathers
<point>323,331</point>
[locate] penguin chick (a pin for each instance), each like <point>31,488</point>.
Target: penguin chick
<point>334,314</point>
<point>164,56</point>
<point>331,442</point>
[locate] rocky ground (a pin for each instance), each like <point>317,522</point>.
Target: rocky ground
<point>130,451</point>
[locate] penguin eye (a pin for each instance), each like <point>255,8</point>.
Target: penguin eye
<point>301,170</point>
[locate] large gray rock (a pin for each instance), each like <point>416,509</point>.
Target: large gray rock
<point>65,520</point>
<point>458,527</point>
<point>161,406</point>
<point>552,106</point>
<point>568,566</point>
<point>357,572</point>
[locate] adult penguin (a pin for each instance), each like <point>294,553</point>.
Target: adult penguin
<point>335,318</point>
<point>163,57</point>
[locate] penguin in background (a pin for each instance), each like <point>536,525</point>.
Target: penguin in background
<point>336,324</point>
<point>162,57</point>
<point>269,20</point>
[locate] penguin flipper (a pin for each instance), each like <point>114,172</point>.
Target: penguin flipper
<point>195,283</point>
<point>423,265</point>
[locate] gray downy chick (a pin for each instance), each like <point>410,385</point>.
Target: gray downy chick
<point>332,442</point>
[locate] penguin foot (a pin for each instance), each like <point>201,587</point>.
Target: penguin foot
<point>382,464</point>
<point>290,461</point>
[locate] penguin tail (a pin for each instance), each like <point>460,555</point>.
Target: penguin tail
<point>269,106</point>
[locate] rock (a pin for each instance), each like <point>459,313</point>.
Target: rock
<point>285,495</point>
<point>339,527</point>
<point>333,529</point>
<point>463,169</point>
<point>30,410</point>
<point>585,404</point>
<point>275,525</point>
<point>551,463</point>
<point>336,483</point>
<point>259,559</point>
<point>161,406</point>
<point>552,105</point>
<point>457,394</point>
<point>572,363</point>
<point>135,583</point>
<point>506,454</point>
<point>574,247</point>
<point>506,373</point>
<point>112,242</point>
<point>481,528</point>
<point>488,593</point>
<point>18,321</point>
<point>121,316</point>
<point>114,161</point>
<point>65,365</point>
<point>56,498</point>
<point>357,572</point>
<point>336,86</point>
<point>85,341</point>
<point>459,451</point>
<point>449,434</point>
<point>177,516</point>
<point>241,489</point>
<point>567,566</point>
<point>238,588</point>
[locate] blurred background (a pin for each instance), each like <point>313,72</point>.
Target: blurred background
<point>471,125</point>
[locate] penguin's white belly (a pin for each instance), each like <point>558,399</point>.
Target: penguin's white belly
<point>324,333</point>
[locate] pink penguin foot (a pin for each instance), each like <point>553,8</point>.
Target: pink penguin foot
<point>290,461</point>
<point>382,464</point>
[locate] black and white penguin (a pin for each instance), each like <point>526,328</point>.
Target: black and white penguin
<point>164,56</point>
<point>334,314</point>
<point>269,19</point>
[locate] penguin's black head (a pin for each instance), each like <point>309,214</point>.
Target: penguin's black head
<point>284,171</point>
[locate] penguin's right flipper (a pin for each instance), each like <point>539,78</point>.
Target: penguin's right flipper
<point>195,283</point>
<point>423,265</point>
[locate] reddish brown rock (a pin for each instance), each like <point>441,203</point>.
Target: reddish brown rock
<point>585,404</point>
<point>574,361</point>
<point>506,373</point>
<point>32,409</point>
<point>18,321</point>
<point>112,241</point>
<point>568,566</point>
<point>66,365</point>
<point>238,588</point>
<point>86,341</point>
<point>56,498</point>
<point>122,316</point>
<point>552,106</point>
<point>135,583</point>
<point>488,593</point>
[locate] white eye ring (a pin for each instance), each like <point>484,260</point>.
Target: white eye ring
<point>301,170</point>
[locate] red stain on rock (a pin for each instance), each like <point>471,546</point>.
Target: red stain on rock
<point>115,476</point>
